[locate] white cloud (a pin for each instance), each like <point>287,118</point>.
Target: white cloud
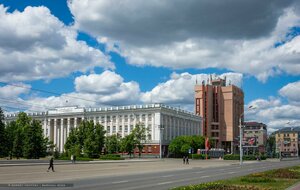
<point>36,45</point>
<point>179,89</point>
<point>292,92</point>
<point>10,91</point>
<point>105,89</point>
<point>273,113</point>
<point>104,83</point>
<point>191,35</point>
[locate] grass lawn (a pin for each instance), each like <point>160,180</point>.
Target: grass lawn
<point>270,180</point>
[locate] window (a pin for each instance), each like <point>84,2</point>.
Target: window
<point>114,129</point>
<point>149,117</point>
<point>108,129</point>
<point>126,129</point>
<point>120,128</point>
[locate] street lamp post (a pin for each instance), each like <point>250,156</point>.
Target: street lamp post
<point>161,128</point>
<point>241,136</point>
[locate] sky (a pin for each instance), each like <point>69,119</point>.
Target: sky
<point>91,53</point>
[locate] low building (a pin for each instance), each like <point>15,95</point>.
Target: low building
<point>255,137</point>
<point>164,123</point>
<point>287,141</point>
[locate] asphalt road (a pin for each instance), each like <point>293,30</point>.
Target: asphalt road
<point>156,175</point>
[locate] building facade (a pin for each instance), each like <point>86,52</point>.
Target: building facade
<point>221,107</point>
<point>287,141</point>
<point>164,123</point>
<point>255,137</point>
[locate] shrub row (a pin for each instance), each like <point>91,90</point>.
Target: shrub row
<point>245,157</point>
<point>200,156</point>
<point>257,179</point>
<point>283,173</point>
<point>111,157</point>
<point>216,186</point>
<point>77,158</point>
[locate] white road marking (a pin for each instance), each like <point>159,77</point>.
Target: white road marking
<point>205,176</point>
<point>167,176</point>
<point>199,172</point>
<point>163,183</point>
<point>117,182</point>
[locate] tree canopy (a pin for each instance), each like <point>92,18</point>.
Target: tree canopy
<point>88,139</point>
<point>181,144</point>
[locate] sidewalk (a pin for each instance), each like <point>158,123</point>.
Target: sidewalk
<point>67,162</point>
<point>294,187</point>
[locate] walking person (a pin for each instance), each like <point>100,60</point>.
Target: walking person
<point>183,159</point>
<point>187,160</point>
<point>51,165</point>
<point>72,159</point>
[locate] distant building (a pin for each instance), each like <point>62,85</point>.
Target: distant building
<point>255,137</point>
<point>287,141</point>
<point>164,122</point>
<point>221,107</point>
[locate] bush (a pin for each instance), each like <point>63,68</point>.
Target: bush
<point>283,173</point>
<point>231,157</point>
<point>111,157</point>
<point>200,156</point>
<point>77,158</point>
<point>216,186</point>
<point>245,157</point>
<point>257,179</point>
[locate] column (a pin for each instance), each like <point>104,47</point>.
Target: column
<point>123,126</point>
<point>95,121</point>
<point>68,127</point>
<point>75,122</point>
<point>50,134</point>
<point>61,135</point>
<point>45,127</point>
<point>55,133</point>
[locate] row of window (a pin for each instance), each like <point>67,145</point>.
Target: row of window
<point>287,134</point>
<point>120,118</point>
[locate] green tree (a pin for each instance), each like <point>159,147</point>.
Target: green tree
<point>22,123</point>
<point>11,131</point>
<point>271,145</point>
<point>35,144</point>
<point>94,141</point>
<point>71,143</point>
<point>87,138</point>
<point>112,144</point>
<point>3,138</point>
<point>140,137</point>
<point>18,143</point>
<point>181,144</point>
<point>128,144</point>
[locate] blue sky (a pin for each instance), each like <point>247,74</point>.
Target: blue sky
<point>128,52</point>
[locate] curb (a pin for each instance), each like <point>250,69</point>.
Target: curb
<point>78,162</point>
<point>294,187</point>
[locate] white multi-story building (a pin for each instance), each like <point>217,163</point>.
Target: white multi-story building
<point>163,122</point>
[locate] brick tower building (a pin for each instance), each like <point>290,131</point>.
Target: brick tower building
<point>221,107</point>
